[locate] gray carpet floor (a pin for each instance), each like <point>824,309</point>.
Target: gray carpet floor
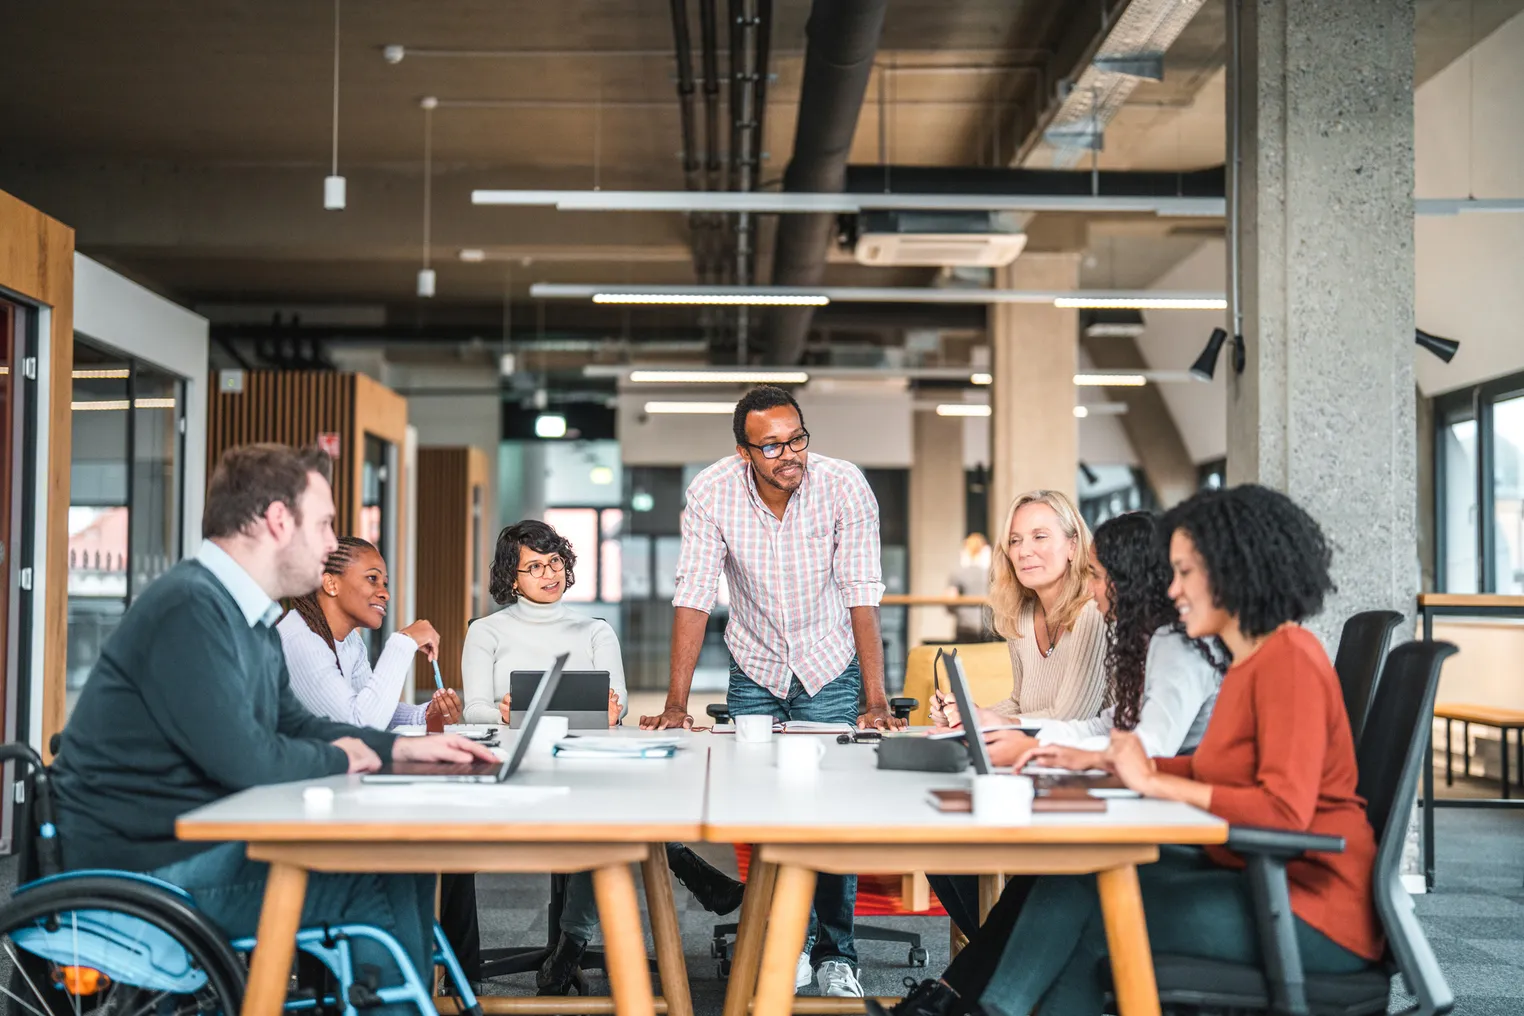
<point>1474,920</point>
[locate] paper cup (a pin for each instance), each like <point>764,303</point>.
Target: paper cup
<point>1001,799</point>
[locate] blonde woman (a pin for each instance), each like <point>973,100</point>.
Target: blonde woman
<point>1040,599</point>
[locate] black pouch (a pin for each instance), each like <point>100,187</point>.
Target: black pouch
<point>922,754</point>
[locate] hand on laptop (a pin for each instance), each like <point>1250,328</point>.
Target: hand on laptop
<point>1057,756</point>
<point>505,709</point>
<point>361,758</point>
<point>1006,746</point>
<point>613,708</point>
<point>439,748</point>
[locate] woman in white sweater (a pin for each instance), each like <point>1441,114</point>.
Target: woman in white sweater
<point>533,567</point>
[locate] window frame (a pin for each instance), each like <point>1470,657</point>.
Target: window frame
<point>1476,403</point>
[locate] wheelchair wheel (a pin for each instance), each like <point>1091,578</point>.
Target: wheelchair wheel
<point>111,945</point>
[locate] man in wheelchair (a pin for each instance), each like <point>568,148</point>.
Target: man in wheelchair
<point>190,702</point>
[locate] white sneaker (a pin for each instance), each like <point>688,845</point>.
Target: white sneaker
<point>803,973</point>
<point>837,979</point>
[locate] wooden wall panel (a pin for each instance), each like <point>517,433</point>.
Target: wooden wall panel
<point>444,574</point>
<point>37,263</point>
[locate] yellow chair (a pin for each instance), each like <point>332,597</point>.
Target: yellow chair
<point>987,664</point>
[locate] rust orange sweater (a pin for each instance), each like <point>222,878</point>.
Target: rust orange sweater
<point>1278,753</point>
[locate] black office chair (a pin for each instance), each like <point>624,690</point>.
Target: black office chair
<point>1389,758</point>
<point>1362,650</point>
<point>721,946</point>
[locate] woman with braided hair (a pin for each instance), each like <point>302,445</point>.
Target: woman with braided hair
<point>326,654</point>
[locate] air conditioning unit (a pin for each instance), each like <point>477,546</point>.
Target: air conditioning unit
<point>933,239</point>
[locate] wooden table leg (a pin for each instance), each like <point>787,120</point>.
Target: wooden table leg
<point>788,923</point>
<point>668,936</point>
<point>1132,963</point>
<point>624,943</point>
<point>746,957</point>
<point>990,888</point>
<point>275,943</point>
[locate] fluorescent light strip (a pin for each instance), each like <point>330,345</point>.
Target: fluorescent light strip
<point>714,299</point>
<point>1111,380</point>
<point>772,203</point>
<point>801,296</point>
<point>981,379</point>
<point>106,405</point>
<point>101,374</point>
<point>963,409</point>
<point>691,408</point>
<point>723,377</point>
<point>1139,303</point>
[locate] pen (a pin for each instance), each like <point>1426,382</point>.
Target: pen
<point>438,681</point>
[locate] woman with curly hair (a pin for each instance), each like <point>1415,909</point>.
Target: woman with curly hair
<point>1249,566</point>
<point>532,569</point>
<point>1162,684</point>
<point>1041,603</point>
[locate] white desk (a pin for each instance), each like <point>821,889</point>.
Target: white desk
<point>613,814</point>
<point>852,817</point>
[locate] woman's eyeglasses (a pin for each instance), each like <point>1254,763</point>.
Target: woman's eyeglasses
<point>539,569</point>
<point>772,451</point>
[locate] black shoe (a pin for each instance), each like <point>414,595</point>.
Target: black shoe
<point>929,998</point>
<point>716,892</point>
<point>559,974</point>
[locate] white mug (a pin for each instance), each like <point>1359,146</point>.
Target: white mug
<point>800,754</point>
<point>1003,799</point>
<point>754,728</point>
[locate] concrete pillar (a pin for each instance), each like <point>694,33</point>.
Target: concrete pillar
<point>1034,438</point>
<point>1325,407</point>
<point>936,519</point>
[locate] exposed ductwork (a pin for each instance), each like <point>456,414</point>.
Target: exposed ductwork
<point>1200,183</point>
<point>838,62</point>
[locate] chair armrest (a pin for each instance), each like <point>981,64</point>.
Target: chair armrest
<point>719,712</point>
<point>902,707</point>
<point>1283,844</point>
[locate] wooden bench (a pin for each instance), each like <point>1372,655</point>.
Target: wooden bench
<point>1503,720</point>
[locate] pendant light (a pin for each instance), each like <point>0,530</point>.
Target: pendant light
<point>333,186</point>
<point>426,274</point>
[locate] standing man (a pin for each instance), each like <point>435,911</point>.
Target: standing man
<point>190,702</point>
<point>796,537</point>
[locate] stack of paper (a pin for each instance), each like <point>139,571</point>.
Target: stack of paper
<point>605,747</point>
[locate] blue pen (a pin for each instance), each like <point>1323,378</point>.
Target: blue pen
<point>438,681</point>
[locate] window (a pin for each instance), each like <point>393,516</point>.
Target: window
<point>124,495</point>
<point>1479,488</point>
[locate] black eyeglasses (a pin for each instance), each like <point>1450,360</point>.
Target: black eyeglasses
<point>772,451</point>
<point>538,568</point>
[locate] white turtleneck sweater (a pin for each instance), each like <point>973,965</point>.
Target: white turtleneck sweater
<point>529,636</point>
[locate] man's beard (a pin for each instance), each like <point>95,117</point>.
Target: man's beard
<point>297,571</point>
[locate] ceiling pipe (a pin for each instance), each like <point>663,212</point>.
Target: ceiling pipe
<point>843,37</point>
<point>1201,183</point>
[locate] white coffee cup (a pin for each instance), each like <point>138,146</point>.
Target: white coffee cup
<point>547,732</point>
<point>800,754</point>
<point>1003,799</point>
<point>754,728</point>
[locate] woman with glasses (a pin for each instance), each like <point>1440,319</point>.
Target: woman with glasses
<point>533,568</point>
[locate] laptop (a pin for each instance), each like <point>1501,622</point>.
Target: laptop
<point>480,772</point>
<point>978,751</point>
<point>582,697</point>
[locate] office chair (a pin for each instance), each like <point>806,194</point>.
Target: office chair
<point>1362,650</point>
<point>1389,757</point>
<point>721,945</point>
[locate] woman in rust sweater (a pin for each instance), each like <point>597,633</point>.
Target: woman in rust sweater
<point>1249,564</point>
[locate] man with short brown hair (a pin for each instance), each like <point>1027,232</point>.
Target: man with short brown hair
<point>190,702</point>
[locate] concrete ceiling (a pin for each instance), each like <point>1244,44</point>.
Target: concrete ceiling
<point>187,143</point>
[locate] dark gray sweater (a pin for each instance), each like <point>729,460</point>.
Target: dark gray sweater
<point>186,705</point>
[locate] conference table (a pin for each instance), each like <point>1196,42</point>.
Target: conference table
<point>563,816</point>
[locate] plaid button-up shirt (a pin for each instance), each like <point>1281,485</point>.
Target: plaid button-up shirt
<point>791,580</point>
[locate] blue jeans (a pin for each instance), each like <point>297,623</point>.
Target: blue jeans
<point>835,895</point>
<point>229,888</point>
<point>1193,907</point>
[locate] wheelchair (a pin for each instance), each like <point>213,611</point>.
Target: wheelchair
<point>118,943</point>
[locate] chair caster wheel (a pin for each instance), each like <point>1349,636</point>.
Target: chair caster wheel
<point>724,969</point>
<point>918,957</point>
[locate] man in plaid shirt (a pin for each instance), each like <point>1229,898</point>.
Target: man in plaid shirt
<point>796,538</point>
